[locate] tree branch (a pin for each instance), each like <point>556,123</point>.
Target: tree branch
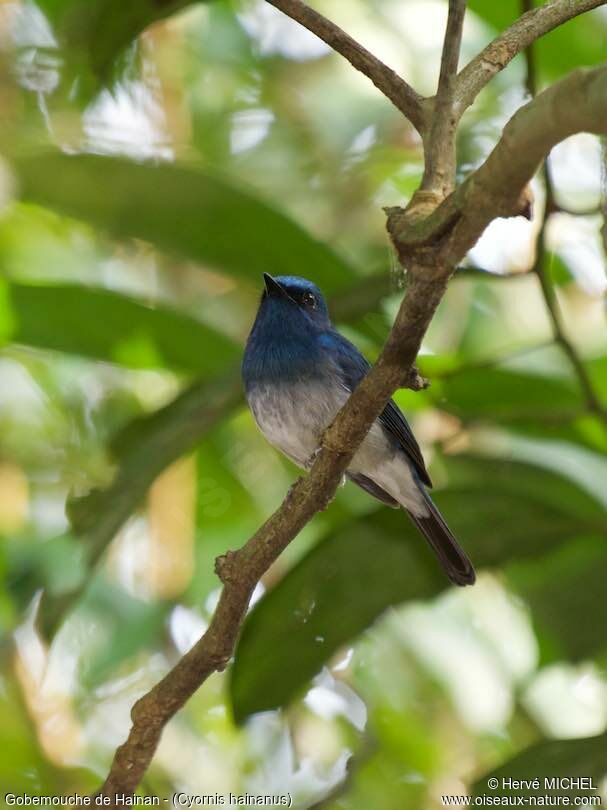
<point>577,103</point>
<point>241,570</point>
<point>400,93</point>
<point>439,147</point>
<point>430,249</point>
<point>169,433</point>
<point>530,26</point>
<point>574,104</point>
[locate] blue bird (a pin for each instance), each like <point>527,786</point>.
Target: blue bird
<point>298,371</point>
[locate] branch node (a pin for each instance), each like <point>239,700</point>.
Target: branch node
<point>225,567</point>
<point>525,203</point>
<point>222,662</point>
<point>414,380</point>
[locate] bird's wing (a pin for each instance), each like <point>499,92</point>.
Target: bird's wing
<point>353,367</point>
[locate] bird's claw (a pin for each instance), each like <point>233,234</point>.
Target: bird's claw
<point>311,459</point>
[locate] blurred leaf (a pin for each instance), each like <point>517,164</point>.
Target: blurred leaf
<point>578,43</point>
<point>96,32</point>
<point>559,271</point>
<point>585,758</point>
<point>597,368</point>
<point>116,610</point>
<point>565,593</point>
<point>501,477</point>
<point>108,326</point>
<point>497,15</point>
<point>500,510</point>
<point>25,768</point>
<point>7,317</point>
<point>334,593</point>
<point>539,405</point>
<point>496,394</point>
<point>148,445</point>
<point>144,449</point>
<point>183,211</point>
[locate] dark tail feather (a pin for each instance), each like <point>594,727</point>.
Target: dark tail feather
<point>452,557</point>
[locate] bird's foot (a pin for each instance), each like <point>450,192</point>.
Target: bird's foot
<point>312,458</point>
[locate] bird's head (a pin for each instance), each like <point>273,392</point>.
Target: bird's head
<point>294,297</point>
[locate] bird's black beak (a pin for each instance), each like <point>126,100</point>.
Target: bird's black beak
<point>273,288</point>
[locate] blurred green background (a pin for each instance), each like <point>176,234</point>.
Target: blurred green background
<point>144,187</point>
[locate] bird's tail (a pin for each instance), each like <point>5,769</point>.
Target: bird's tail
<point>452,557</point>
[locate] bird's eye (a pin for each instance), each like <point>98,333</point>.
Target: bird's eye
<point>308,300</point>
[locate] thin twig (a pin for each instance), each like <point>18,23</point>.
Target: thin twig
<point>591,398</point>
<point>530,63</point>
<point>593,402</point>
<point>576,103</point>
<point>400,93</point>
<point>530,26</point>
<point>439,147</point>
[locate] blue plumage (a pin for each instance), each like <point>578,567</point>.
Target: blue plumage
<point>298,371</point>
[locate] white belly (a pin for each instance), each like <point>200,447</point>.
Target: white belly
<point>293,418</point>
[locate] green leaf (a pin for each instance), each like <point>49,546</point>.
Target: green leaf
<point>7,316</point>
<point>25,767</point>
<point>183,211</point>
<point>582,758</point>
<point>115,610</point>
<point>95,33</point>
<point>147,446</point>
<point>548,407</point>
<point>497,15</point>
<point>500,511</point>
<point>578,43</point>
<point>563,591</point>
<point>497,394</point>
<point>528,483</point>
<point>143,449</point>
<point>108,326</point>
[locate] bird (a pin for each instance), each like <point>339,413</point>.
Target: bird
<point>298,371</point>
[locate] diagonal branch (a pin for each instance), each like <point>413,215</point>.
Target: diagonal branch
<point>439,147</point>
<point>574,104</point>
<point>241,570</point>
<point>400,93</point>
<point>530,26</point>
<point>164,436</point>
<point>593,403</point>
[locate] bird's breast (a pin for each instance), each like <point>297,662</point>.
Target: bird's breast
<point>293,415</point>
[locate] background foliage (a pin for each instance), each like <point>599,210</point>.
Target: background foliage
<point>145,187</point>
